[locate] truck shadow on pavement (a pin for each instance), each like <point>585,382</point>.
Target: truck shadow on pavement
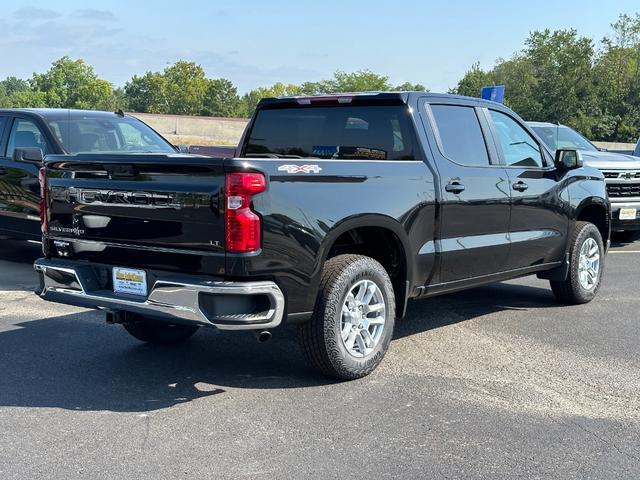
<point>622,239</point>
<point>16,264</point>
<point>77,362</point>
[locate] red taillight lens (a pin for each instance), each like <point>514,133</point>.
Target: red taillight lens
<point>44,218</point>
<point>242,224</point>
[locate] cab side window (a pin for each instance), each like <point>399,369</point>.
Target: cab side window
<point>25,133</point>
<point>518,147</point>
<point>460,134</point>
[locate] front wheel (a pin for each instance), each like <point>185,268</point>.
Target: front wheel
<point>586,266</point>
<point>352,324</point>
<point>159,333</point>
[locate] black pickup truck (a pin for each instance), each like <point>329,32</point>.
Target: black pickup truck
<point>337,211</point>
<point>58,131</point>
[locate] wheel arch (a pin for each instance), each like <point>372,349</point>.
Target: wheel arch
<point>383,225</point>
<point>595,210</point>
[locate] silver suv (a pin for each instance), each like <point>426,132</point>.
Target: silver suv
<point>621,172</point>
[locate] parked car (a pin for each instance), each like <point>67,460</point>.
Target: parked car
<point>636,152</point>
<point>621,172</point>
<point>339,210</point>
<point>214,150</point>
<point>58,131</point>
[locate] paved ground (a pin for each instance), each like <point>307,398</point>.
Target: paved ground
<point>499,382</point>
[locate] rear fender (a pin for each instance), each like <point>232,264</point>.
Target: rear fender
<point>370,220</point>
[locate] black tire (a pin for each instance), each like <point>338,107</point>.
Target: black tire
<point>571,291</point>
<point>320,338</point>
<point>158,332</point>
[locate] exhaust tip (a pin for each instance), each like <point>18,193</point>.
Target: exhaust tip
<point>262,336</point>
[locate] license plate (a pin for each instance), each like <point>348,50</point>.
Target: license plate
<point>628,213</point>
<point>127,280</point>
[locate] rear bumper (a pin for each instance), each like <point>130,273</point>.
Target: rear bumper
<point>182,299</point>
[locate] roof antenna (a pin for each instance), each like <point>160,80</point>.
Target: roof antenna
<point>557,134</point>
<point>119,112</point>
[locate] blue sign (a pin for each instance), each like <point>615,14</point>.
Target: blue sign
<point>494,93</point>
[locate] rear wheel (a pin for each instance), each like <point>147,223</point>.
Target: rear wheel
<point>586,266</point>
<point>352,324</point>
<point>159,333</point>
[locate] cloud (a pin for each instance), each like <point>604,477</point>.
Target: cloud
<point>35,13</point>
<point>96,15</point>
<point>117,57</point>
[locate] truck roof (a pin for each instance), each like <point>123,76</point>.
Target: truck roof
<point>50,113</point>
<point>368,97</point>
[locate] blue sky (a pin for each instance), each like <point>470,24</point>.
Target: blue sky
<point>256,43</point>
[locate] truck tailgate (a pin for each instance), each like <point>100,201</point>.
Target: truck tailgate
<point>151,204</point>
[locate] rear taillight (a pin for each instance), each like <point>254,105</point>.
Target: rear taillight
<point>242,224</point>
<point>44,218</point>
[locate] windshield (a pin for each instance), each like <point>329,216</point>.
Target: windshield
<point>341,132</point>
<point>104,134</point>
<point>563,137</point>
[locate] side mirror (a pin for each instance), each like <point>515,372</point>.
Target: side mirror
<point>568,159</point>
<point>31,155</point>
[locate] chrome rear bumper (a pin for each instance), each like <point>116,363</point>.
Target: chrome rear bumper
<point>182,299</point>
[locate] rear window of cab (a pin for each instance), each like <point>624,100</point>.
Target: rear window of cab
<point>382,132</point>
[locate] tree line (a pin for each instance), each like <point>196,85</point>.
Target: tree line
<point>181,89</point>
<point>563,77</point>
<point>559,76</point>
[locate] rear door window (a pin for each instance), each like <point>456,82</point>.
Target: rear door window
<point>460,135</point>
<point>342,132</point>
<point>24,134</point>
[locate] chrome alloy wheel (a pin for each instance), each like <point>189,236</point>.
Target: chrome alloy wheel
<point>363,318</point>
<point>589,264</point>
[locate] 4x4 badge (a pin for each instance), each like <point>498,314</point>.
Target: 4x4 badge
<point>300,168</point>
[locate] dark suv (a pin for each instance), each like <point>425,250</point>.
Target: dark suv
<point>58,131</point>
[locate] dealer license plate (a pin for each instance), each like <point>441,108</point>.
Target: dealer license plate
<point>628,213</point>
<point>127,280</point>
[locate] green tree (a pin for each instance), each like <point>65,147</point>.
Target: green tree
<point>473,80</point>
<point>617,82</point>
<point>551,79</point>
<point>411,87</point>
<point>221,99</point>
<point>16,92</point>
<point>28,99</point>
<point>147,93</point>
<point>73,84</point>
<point>359,81</point>
<point>250,100</point>
<point>562,63</point>
<point>185,88</point>
<point>12,85</point>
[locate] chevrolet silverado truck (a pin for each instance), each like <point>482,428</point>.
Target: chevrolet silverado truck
<point>58,131</point>
<point>621,172</point>
<point>337,211</point>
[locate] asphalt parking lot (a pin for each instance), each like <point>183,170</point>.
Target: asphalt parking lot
<point>497,382</point>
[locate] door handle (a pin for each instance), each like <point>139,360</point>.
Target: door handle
<point>520,186</point>
<point>454,187</point>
